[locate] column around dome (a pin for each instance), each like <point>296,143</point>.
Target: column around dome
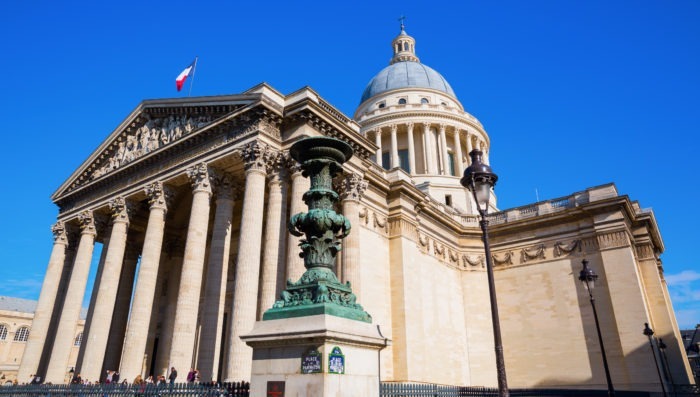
<point>443,150</point>
<point>411,149</point>
<point>378,142</point>
<point>459,165</point>
<point>394,147</point>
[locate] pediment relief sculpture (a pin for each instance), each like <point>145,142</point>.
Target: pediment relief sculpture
<point>153,134</point>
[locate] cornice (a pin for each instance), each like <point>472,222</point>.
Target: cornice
<point>420,117</point>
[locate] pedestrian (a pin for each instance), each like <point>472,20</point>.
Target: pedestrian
<point>190,376</point>
<point>173,375</point>
<point>115,377</point>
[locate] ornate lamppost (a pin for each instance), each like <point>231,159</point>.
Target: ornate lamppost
<point>649,333</point>
<point>479,179</point>
<point>664,361</point>
<point>588,277</point>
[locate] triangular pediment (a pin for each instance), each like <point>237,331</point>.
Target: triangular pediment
<point>152,127</point>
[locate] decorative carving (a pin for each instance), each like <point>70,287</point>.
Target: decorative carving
<point>87,223</point>
<point>453,255</point>
<point>159,195</point>
<point>379,221</point>
<point>199,177</point>
<point>364,214</point>
<point>528,254</point>
<point>473,260</point>
<point>506,259</point>
<point>613,240</point>
<point>223,184</point>
<point>122,210</point>
<point>645,251</point>
<point>153,134</point>
<point>352,186</point>
<point>439,249</point>
<point>561,249</point>
<point>258,156</point>
<point>59,233</point>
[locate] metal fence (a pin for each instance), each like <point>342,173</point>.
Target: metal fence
<point>234,389</point>
<point>407,389</point>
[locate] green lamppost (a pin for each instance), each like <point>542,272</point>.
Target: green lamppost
<point>319,291</point>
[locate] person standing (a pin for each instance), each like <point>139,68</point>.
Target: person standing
<point>190,376</point>
<point>173,375</point>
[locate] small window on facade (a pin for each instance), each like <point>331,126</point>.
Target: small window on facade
<point>403,160</point>
<point>3,332</point>
<point>444,104</point>
<point>424,100</point>
<point>386,160</point>
<point>381,105</point>
<point>402,101</point>
<point>78,339</point>
<point>405,46</point>
<point>448,200</point>
<point>22,334</point>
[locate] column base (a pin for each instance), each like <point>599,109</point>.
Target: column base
<point>346,364</point>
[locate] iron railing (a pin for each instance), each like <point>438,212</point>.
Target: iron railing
<point>233,389</point>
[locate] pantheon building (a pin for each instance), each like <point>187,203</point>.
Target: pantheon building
<point>190,198</point>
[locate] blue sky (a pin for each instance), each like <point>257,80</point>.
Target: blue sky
<point>573,94</point>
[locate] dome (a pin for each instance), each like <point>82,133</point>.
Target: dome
<point>407,74</point>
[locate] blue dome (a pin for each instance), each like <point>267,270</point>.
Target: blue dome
<point>406,75</point>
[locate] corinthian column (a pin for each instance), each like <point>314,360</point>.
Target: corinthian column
<point>378,142</point>
<point>72,304</point>
<point>217,273</point>
<point>427,147</point>
<point>443,150</point>
<point>245,297</point>
<point>459,166</point>
<point>353,188</point>
<point>275,241</point>
<point>295,263</point>
<point>45,306</point>
<point>185,326</point>
<point>469,147</point>
<point>411,150</point>
<point>137,328</point>
<point>394,147</point>
<point>96,342</point>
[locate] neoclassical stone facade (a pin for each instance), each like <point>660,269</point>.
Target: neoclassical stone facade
<point>190,199</point>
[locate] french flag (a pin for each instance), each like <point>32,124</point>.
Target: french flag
<point>180,80</point>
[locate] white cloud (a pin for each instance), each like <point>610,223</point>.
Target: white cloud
<point>687,318</point>
<point>684,277</point>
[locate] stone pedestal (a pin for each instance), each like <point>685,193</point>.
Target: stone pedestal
<point>280,345</point>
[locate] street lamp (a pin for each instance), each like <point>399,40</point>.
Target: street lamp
<point>479,179</point>
<point>588,278</point>
<point>664,361</point>
<point>649,333</point>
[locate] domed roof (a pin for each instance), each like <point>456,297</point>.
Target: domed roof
<point>405,71</point>
<point>406,74</point>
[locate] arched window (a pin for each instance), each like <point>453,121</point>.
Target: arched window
<point>78,339</point>
<point>380,105</point>
<point>405,46</point>
<point>402,101</point>
<point>424,100</point>
<point>22,334</point>
<point>3,332</point>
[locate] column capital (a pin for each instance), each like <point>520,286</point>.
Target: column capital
<point>59,233</point>
<point>426,126</point>
<point>258,156</point>
<point>159,195</point>
<point>199,177</point>
<point>225,186</point>
<point>443,126</point>
<point>394,128</point>
<point>377,132</point>
<point>351,186</point>
<point>122,210</point>
<point>86,220</point>
<point>409,126</point>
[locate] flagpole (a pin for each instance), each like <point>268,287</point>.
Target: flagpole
<point>194,69</point>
